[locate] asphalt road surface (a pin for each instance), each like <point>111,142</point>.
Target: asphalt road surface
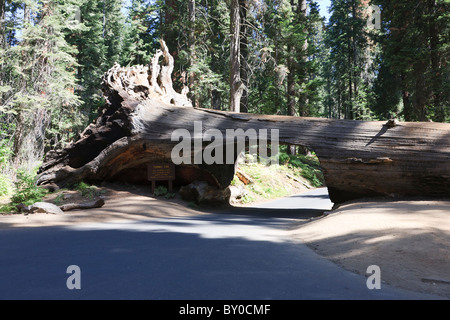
<point>246,255</point>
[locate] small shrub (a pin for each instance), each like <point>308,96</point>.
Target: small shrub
<point>86,190</point>
<point>5,156</point>
<point>7,209</point>
<point>160,191</point>
<point>314,176</point>
<point>193,205</point>
<point>235,181</point>
<point>247,198</point>
<point>59,200</point>
<point>5,185</point>
<point>283,158</point>
<point>26,190</point>
<point>169,196</point>
<point>296,162</point>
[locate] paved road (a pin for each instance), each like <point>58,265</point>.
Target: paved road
<point>214,257</point>
<point>317,199</point>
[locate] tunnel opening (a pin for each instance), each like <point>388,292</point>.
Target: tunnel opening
<point>252,177</point>
<point>294,181</point>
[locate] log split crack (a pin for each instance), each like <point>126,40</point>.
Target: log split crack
<point>380,160</point>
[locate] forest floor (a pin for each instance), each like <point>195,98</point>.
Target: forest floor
<point>408,240</point>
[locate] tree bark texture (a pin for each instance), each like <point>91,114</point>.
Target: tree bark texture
<point>2,26</point>
<point>236,89</point>
<point>244,36</point>
<point>359,159</point>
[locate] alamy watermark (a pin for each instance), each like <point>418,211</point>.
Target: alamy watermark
<point>74,280</point>
<point>374,280</point>
<point>74,13</point>
<point>223,148</point>
<point>374,17</point>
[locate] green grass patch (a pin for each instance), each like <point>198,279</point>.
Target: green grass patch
<point>87,191</point>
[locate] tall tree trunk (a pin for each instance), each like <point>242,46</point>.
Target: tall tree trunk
<point>420,94</point>
<point>291,93</point>
<point>169,34</point>
<point>235,58</point>
<point>2,24</point>
<point>21,125</point>
<point>291,65</point>
<point>407,110</point>
<point>339,97</point>
<point>192,51</point>
<point>104,20</point>
<point>354,59</point>
<point>302,16</point>
<point>349,112</point>
<point>436,64</point>
<point>243,11</point>
<point>2,43</point>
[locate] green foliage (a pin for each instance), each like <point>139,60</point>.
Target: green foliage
<point>26,190</point>
<point>170,195</point>
<point>5,157</point>
<point>5,154</point>
<point>5,185</point>
<point>283,158</point>
<point>193,205</point>
<point>161,191</point>
<point>59,200</point>
<point>140,32</point>
<point>40,67</point>
<point>348,72</point>
<point>86,190</point>
<point>37,75</point>
<point>309,167</point>
<point>414,68</point>
<point>248,198</point>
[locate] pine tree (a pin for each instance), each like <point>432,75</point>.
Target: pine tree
<point>141,33</point>
<point>415,49</point>
<point>315,96</point>
<point>100,44</point>
<point>351,57</point>
<point>203,51</point>
<point>113,30</point>
<point>214,47</point>
<point>40,74</point>
<point>91,55</point>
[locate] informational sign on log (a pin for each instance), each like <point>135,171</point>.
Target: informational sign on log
<point>161,172</point>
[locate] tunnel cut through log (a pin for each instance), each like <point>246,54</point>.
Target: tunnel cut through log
<point>135,127</point>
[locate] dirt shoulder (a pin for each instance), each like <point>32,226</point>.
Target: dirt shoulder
<point>121,204</point>
<point>408,240</point>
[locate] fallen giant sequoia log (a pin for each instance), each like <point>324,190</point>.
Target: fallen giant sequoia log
<point>134,128</point>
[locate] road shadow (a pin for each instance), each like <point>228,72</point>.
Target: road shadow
<point>301,214</point>
<point>172,260</point>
